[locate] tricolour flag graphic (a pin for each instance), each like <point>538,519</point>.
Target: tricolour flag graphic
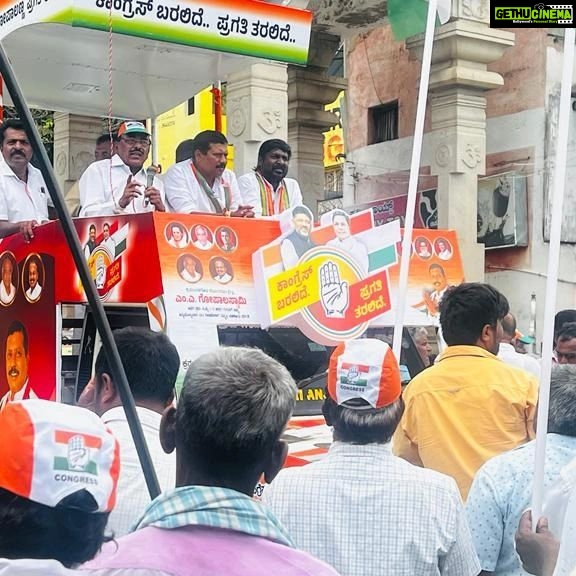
<point>408,17</point>
<point>78,452</point>
<point>354,374</point>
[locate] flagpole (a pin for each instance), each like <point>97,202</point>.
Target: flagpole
<point>413,182</point>
<point>552,277</point>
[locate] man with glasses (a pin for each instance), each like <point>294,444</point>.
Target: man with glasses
<point>119,185</point>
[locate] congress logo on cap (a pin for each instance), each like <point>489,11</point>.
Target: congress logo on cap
<point>50,451</point>
<point>364,374</point>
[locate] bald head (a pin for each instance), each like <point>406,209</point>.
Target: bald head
<point>508,327</point>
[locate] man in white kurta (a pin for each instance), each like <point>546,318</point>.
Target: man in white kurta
<point>23,192</point>
<point>266,188</point>
<point>120,185</point>
<point>203,184</point>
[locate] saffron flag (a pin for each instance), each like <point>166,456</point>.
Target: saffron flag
<point>408,17</point>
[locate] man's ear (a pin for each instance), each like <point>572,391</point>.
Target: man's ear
<point>168,430</point>
<point>108,391</point>
<point>276,461</point>
<point>485,335</point>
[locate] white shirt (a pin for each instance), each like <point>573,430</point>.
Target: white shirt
<point>22,201</point>
<point>508,354</point>
<point>19,395</point>
<point>96,197</point>
<point>250,191</point>
<point>225,278</point>
<point>189,277</point>
<point>34,293</point>
<point>445,254</point>
<point>356,249</point>
<point>180,244</point>
<point>369,513</point>
<point>206,246</point>
<point>5,296</point>
<point>185,194</point>
<point>133,494</point>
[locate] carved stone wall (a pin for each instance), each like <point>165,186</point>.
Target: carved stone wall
<point>256,110</point>
<point>74,141</point>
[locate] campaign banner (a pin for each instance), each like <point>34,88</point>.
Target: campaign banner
<point>120,251</point>
<point>248,27</point>
<point>394,208</point>
<point>28,331</point>
<point>335,280</point>
<point>206,267</point>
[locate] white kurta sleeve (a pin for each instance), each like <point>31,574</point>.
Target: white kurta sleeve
<point>95,198</point>
<point>178,193</point>
<point>250,193</point>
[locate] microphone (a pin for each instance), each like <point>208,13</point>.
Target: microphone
<point>151,172</point>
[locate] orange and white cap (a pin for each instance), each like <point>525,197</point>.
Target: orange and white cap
<point>50,451</point>
<point>364,374</point>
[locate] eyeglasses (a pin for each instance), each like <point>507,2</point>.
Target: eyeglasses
<point>133,141</point>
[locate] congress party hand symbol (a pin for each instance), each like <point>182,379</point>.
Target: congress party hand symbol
<point>333,293</point>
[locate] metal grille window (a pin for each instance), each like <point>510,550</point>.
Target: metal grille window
<point>384,122</point>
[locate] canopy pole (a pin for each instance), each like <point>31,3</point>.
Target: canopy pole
<point>413,182</point>
<point>552,275</point>
<point>87,282</point>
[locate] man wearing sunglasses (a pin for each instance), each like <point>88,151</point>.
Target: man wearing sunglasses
<point>120,185</point>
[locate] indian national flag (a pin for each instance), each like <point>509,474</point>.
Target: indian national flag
<point>408,17</point>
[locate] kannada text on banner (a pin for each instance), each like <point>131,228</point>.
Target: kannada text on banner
<point>334,280</point>
<point>237,26</point>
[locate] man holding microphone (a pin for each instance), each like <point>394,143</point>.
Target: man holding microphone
<point>120,185</point>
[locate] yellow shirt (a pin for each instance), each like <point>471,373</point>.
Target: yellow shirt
<point>468,407</point>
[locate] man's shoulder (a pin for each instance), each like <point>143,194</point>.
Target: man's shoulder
<point>229,177</point>
<point>97,168</point>
<point>178,167</point>
<point>213,548</point>
<point>248,178</point>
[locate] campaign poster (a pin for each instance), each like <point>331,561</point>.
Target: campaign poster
<point>28,333</point>
<point>335,280</point>
<point>206,267</point>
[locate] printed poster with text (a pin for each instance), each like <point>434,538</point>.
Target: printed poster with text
<point>335,280</point>
<point>28,333</point>
<point>206,266</point>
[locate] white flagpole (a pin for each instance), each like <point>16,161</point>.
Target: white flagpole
<point>552,278</point>
<point>413,182</point>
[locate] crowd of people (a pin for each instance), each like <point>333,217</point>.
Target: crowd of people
<point>118,183</point>
<point>431,479</point>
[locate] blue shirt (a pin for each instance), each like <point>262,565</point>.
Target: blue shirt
<point>501,492</point>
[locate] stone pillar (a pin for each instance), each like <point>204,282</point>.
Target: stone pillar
<point>256,110</point>
<point>74,141</point>
<point>459,79</point>
<point>310,89</point>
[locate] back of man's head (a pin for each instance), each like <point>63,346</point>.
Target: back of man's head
<point>562,408</point>
<point>508,327</point>
<point>234,406</point>
<point>466,309</point>
<point>185,150</point>
<point>363,394</point>
<point>59,469</point>
<point>561,318</point>
<point>150,361</point>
